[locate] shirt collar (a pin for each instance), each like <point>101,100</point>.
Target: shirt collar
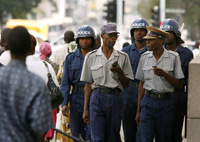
<point>165,53</point>
<point>99,52</point>
<point>78,53</point>
<point>179,49</point>
<point>133,47</point>
<point>17,63</point>
<point>114,54</point>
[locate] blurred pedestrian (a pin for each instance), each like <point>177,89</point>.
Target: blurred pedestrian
<point>159,72</point>
<point>173,42</point>
<point>36,66</point>
<point>98,41</point>
<point>125,44</point>
<point>45,52</point>
<point>196,49</point>
<point>85,40</point>
<point>60,54</point>
<point>24,101</point>
<point>104,87</point>
<point>5,56</point>
<point>130,97</point>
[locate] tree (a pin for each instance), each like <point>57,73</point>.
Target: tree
<point>17,9</point>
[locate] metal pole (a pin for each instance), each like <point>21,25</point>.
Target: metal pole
<point>162,9</point>
<point>119,15</point>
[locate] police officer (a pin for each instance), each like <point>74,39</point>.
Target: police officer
<point>173,42</point>
<point>130,96</point>
<point>108,70</point>
<point>159,72</point>
<point>71,78</point>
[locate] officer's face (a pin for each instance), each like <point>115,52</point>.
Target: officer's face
<point>170,39</point>
<point>85,42</point>
<point>139,34</point>
<point>153,44</point>
<point>109,39</point>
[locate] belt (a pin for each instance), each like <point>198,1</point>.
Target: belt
<point>80,88</point>
<point>113,91</point>
<point>159,95</point>
<point>133,84</point>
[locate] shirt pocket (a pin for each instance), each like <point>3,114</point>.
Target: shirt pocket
<point>169,70</point>
<point>76,71</point>
<point>97,71</point>
<point>148,73</point>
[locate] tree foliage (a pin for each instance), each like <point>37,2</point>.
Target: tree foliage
<point>16,8</point>
<point>191,18</point>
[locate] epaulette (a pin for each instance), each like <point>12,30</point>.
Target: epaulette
<point>145,53</point>
<point>172,52</point>
<point>91,52</point>
<point>121,52</point>
<point>69,54</point>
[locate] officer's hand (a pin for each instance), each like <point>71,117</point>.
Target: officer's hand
<point>137,118</point>
<point>65,111</point>
<point>86,117</point>
<point>158,71</point>
<point>116,69</point>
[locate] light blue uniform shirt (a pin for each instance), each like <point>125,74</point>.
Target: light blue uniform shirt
<point>168,62</point>
<point>96,69</point>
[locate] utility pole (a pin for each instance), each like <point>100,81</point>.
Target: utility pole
<point>119,14</point>
<point>162,9</point>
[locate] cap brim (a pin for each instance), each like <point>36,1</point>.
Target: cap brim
<point>149,37</point>
<point>112,32</point>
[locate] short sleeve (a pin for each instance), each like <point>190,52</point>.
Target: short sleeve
<point>139,72</point>
<point>128,72</point>
<point>178,73</point>
<point>86,74</point>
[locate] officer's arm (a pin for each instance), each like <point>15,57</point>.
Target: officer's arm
<point>141,91</point>
<point>173,81</point>
<point>122,78</point>
<point>88,90</point>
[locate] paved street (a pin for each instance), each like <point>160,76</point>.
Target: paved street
<point>122,135</point>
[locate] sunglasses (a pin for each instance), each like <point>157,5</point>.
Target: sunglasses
<point>113,35</point>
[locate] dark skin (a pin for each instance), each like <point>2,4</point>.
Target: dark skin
<point>155,45</point>
<point>98,41</point>
<point>170,42</point>
<point>138,36</point>
<point>85,44</point>
<point>33,44</point>
<point>107,48</point>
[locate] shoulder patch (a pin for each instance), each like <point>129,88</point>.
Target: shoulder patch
<point>69,57</point>
<point>172,52</point>
<point>146,53</point>
<point>92,52</point>
<point>122,52</point>
<point>69,54</point>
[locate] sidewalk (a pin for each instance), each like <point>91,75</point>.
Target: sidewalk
<point>122,134</point>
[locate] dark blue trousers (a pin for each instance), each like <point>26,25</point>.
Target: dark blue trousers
<point>156,119</point>
<point>130,100</point>
<point>105,116</point>
<point>77,126</point>
<point>180,106</point>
